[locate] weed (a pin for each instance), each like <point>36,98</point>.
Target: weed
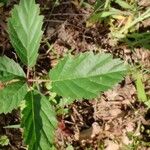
<point>122,16</point>
<point>4,141</point>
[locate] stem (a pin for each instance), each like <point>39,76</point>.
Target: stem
<point>38,80</point>
<point>106,4</point>
<point>28,71</point>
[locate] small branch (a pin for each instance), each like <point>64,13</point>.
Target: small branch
<point>38,80</point>
<point>52,20</point>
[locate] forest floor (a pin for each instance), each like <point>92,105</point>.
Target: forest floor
<point>116,120</point>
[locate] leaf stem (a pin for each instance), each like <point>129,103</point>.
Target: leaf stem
<point>28,71</point>
<point>38,80</point>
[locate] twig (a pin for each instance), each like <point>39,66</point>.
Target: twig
<point>52,20</point>
<point>67,14</point>
<point>38,80</point>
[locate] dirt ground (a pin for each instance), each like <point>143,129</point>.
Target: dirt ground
<point>116,120</point>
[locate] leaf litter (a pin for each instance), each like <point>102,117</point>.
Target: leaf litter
<point>114,121</point>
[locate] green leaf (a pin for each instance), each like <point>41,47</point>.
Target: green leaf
<point>138,40</point>
<point>103,15</point>
<point>124,4</point>
<point>15,126</point>
<point>39,122</point>
<point>11,96</point>
<point>98,4</point>
<point>9,69</point>
<point>140,88</point>
<point>85,75</point>
<point>24,28</point>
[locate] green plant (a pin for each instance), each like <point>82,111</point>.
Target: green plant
<point>138,40</point>
<point>4,141</point>
<point>121,15</point>
<point>141,93</point>
<point>83,76</point>
<point>140,88</point>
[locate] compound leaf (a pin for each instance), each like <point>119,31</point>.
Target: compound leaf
<point>39,122</point>
<point>24,28</point>
<point>86,75</point>
<point>9,69</point>
<point>11,96</point>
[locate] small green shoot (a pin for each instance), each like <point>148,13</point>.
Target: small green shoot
<point>4,141</point>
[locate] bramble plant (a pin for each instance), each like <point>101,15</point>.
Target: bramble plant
<point>83,76</point>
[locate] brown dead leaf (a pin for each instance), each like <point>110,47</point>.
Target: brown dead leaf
<point>125,139</point>
<point>1,86</point>
<point>91,132</point>
<point>110,145</point>
<point>144,3</point>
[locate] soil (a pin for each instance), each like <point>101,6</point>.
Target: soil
<point>116,120</point>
